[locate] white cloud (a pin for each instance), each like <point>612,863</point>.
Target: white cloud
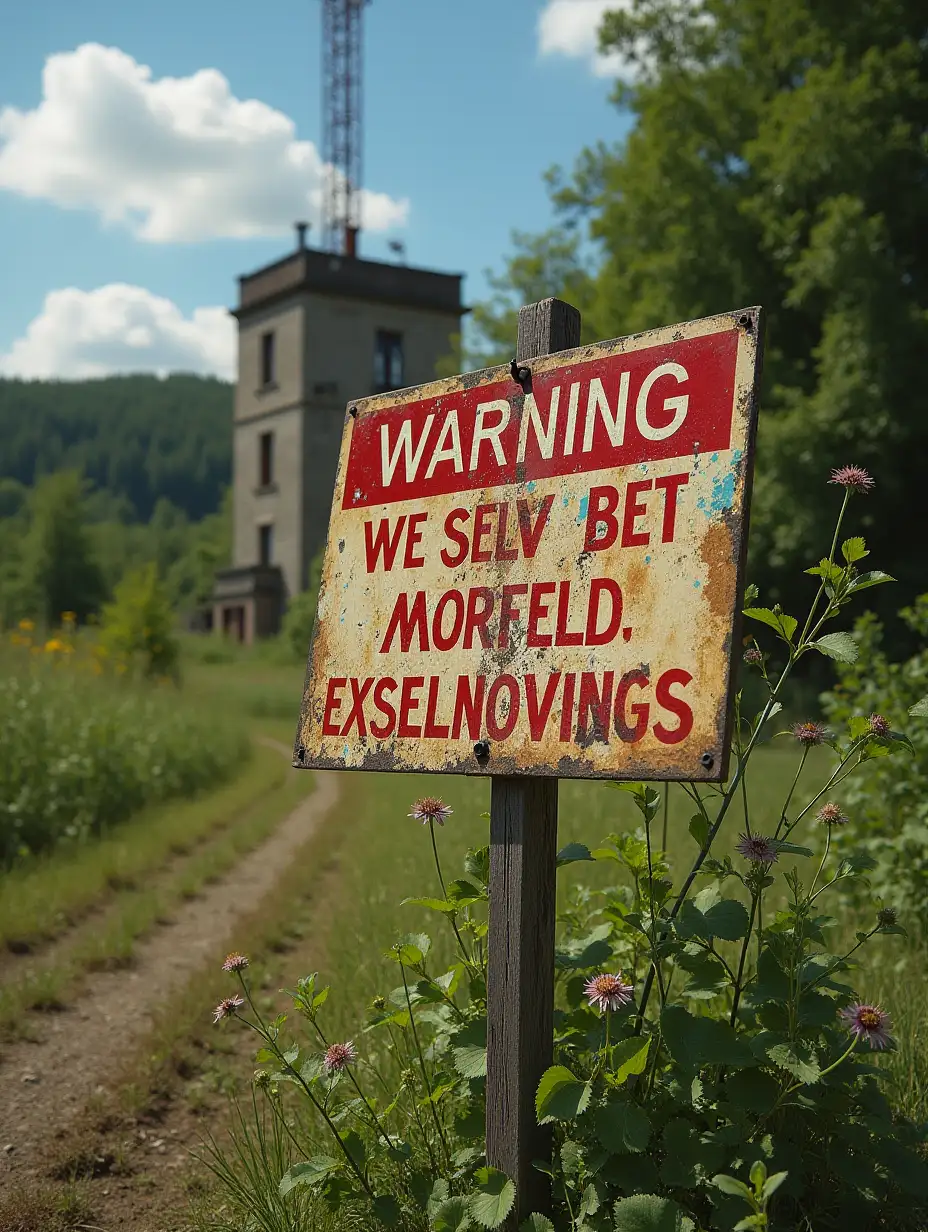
<point>173,158</point>
<point>571,28</point>
<point>120,328</point>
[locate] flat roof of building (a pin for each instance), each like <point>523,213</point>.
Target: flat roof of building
<point>327,273</point>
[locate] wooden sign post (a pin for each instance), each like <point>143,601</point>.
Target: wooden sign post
<point>533,573</point>
<point>523,861</point>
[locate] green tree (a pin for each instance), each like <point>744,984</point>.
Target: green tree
<point>298,620</point>
<point>778,156</point>
<point>59,571</point>
<point>138,624</point>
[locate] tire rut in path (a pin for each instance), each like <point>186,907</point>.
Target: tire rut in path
<point>43,1085</point>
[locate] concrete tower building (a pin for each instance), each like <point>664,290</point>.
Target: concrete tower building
<point>315,330</point>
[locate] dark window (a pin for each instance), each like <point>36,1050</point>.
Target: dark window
<point>266,459</point>
<point>268,373</point>
<point>265,543</point>
<point>388,362</point>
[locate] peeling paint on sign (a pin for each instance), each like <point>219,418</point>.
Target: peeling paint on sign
<point>542,580</point>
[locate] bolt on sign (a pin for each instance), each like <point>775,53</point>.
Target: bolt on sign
<point>537,570</point>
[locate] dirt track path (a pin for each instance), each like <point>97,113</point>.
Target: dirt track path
<point>43,1085</point>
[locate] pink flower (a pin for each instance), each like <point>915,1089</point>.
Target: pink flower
<point>854,478</point>
<point>430,809</point>
<point>227,1007</point>
<point>235,962</point>
<point>878,725</point>
<point>868,1022</point>
<point>830,815</point>
<point>337,1056</point>
<point>757,849</point>
<point>608,992</point>
<point>752,655</point>
<point>809,733</point>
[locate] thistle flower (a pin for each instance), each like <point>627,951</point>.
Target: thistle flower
<point>757,849</point>
<point>338,1056</point>
<point>235,962</point>
<point>262,1078</point>
<point>878,725</point>
<point>430,809</point>
<point>886,917</point>
<point>830,815</point>
<point>869,1022</point>
<point>379,1003</point>
<point>608,992</point>
<point>854,478</point>
<point>809,733</point>
<point>753,655</point>
<point>227,1007</point>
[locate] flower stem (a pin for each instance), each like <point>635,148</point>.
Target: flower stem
<point>425,1077</point>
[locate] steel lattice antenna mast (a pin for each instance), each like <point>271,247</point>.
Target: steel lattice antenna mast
<point>341,110</point>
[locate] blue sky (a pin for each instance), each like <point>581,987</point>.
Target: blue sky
<point>135,185</point>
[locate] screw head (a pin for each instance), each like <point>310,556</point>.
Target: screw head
<point>482,750</point>
<point>707,761</point>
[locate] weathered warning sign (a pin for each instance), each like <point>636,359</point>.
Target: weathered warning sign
<point>541,576</point>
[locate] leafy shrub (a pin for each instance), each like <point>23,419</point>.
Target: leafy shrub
<point>301,612</point>
<point>138,625</point>
<point>889,802</point>
<point>713,1062</point>
<point>82,749</point>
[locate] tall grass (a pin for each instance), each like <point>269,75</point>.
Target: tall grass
<point>83,747</point>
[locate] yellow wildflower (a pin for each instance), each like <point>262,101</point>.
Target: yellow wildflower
<point>27,625</point>
<point>54,645</point>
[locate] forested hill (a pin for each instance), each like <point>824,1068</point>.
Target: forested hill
<point>137,437</point>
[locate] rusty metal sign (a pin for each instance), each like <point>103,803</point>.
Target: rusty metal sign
<point>542,577</point>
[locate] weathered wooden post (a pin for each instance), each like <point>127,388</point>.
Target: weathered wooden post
<point>523,851</point>
<point>532,572</point>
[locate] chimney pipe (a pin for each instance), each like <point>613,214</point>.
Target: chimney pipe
<point>301,229</point>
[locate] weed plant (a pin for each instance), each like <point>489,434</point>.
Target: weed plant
<point>715,1065</point>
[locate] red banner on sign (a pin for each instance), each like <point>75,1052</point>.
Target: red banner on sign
<point>660,402</point>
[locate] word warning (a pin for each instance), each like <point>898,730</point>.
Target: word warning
<point>542,578</point>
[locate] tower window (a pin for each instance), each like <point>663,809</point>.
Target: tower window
<point>265,543</point>
<point>265,459</point>
<point>388,362</point>
<point>268,365</point>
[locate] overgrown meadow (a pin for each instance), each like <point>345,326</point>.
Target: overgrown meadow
<point>738,1002</point>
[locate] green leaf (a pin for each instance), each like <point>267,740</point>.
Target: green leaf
<point>797,1059</point>
<point>477,865</point>
<point>750,1222</point>
<point>411,949</point>
<point>699,828</point>
<point>463,893</point>
<point>758,1173</point>
<point>387,1210</point>
<point>696,1041</point>
<point>432,904</point>
<point>727,919</point>
<point>536,1223</point>
<point>494,1197</point>
<point>854,549</point>
<point>839,646</point>
<point>772,1184</point>
<point>791,849</point>
<point>731,1185</point>
<point>622,1128</point>
<point>785,625</point>
<point>453,1215</point>
<point>354,1145</point>
<point>629,1057</point>
<point>874,578</point>
<point>751,595</point>
<point>560,1096</point>
<point>572,853</point>
<point>469,1049</point>
<point>648,1213</point>
<point>920,709</point>
<point>311,1172</point>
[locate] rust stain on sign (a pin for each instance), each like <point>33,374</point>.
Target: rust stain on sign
<point>542,578</point>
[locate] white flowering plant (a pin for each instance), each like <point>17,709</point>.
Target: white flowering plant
<point>714,1063</point>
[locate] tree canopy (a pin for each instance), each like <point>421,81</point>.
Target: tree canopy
<point>138,438</point>
<point>778,155</point>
